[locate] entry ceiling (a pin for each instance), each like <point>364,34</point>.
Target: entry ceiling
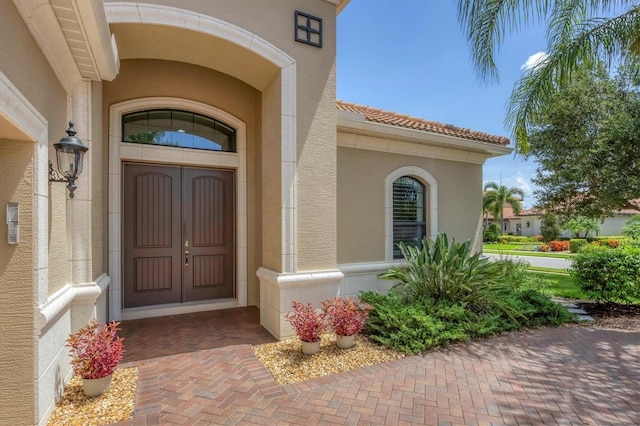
<point>142,41</point>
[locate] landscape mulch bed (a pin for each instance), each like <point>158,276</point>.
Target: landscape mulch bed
<point>613,315</point>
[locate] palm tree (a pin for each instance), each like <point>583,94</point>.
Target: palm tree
<point>576,35</point>
<point>496,196</point>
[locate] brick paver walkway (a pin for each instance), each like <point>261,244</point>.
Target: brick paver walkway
<point>576,375</point>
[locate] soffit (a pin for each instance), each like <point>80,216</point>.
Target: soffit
<point>74,37</point>
<point>147,41</point>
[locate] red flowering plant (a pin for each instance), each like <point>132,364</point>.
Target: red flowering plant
<point>96,350</point>
<point>308,323</point>
<point>346,316</point>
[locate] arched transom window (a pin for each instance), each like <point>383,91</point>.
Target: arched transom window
<point>409,213</point>
<point>177,128</point>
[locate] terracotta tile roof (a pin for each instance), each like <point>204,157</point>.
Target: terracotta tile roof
<point>394,119</point>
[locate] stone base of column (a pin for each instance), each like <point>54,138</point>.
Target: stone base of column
<point>279,290</point>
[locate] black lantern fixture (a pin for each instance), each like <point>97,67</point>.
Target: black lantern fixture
<point>70,154</point>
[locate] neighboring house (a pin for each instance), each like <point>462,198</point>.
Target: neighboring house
<point>510,225</point>
<point>219,174</point>
<point>530,222</point>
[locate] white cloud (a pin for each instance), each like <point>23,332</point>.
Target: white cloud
<point>533,60</point>
<point>519,180</point>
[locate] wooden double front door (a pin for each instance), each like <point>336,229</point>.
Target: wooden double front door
<point>179,234</point>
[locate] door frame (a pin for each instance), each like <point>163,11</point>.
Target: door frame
<point>122,151</point>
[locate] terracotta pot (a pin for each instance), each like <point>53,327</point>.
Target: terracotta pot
<point>344,342</point>
<point>310,348</point>
<point>96,387</point>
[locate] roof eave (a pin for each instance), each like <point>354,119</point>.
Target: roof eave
<point>351,122</point>
<point>340,4</point>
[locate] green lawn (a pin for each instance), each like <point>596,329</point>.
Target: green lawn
<point>562,285</point>
<point>526,253</point>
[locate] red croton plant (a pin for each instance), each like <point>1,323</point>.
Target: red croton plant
<point>307,322</point>
<point>346,316</point>
<point>96,350</point>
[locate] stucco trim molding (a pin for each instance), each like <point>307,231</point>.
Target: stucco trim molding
<point>119,152</point>
<point>432,185</point>
<point>145,13</point>
<point>369,267</point>
<point>19,111</point>
<point>302,279</point>
<point>63,298</point>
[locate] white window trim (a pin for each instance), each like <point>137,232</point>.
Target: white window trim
<point>432,209</point>
<point>124,151</point>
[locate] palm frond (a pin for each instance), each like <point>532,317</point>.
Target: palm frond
<point>607,38</point>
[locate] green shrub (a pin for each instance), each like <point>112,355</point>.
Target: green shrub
<point>632,228</point>
<point>444,270</point>
<point>608,275</point>
<point>491,234</point>
<point>576,243</point>
<point>549,227</point>
<point>414,326</point>
<point>517,239</point>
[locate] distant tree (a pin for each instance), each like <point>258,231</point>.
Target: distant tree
<point>581,224</point>
<point>549,227</point>
<point>587,146</point>
<point>632,228</point>
<point>495,198</point>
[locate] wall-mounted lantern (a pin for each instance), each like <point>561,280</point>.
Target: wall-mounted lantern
<point>528,224</point>
<point>70,155</point>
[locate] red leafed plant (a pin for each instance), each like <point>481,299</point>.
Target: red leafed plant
<point>96,350</point>
<point>307,322</point>
<point>346,316</point>
<point>558,245</point>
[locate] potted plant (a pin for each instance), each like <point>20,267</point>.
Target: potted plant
<point>96,351</point>
<point>346,317</point>
<point>308,324</point>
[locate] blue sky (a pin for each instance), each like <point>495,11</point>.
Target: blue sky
<point>411,57</point>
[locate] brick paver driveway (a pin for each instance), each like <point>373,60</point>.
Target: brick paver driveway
<point>576,375</point>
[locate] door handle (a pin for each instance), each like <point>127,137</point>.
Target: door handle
<point>186,258</point>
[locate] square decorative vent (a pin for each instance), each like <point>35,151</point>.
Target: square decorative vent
<point>308,29</point>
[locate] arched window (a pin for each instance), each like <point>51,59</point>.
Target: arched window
<point>409,213</point>
<point>413,179</point>
<point>178,128</point>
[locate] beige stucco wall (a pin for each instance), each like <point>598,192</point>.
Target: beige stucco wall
<point>147,78</point>
<point>273,20</point>
<point>361,200</point>
<point>23,63</point>
<point>17,292</point>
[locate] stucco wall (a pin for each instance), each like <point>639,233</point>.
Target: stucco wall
<point>361,200</point>
<point>147,78</point>
<point>23,63</point>
<point>17,292</point>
